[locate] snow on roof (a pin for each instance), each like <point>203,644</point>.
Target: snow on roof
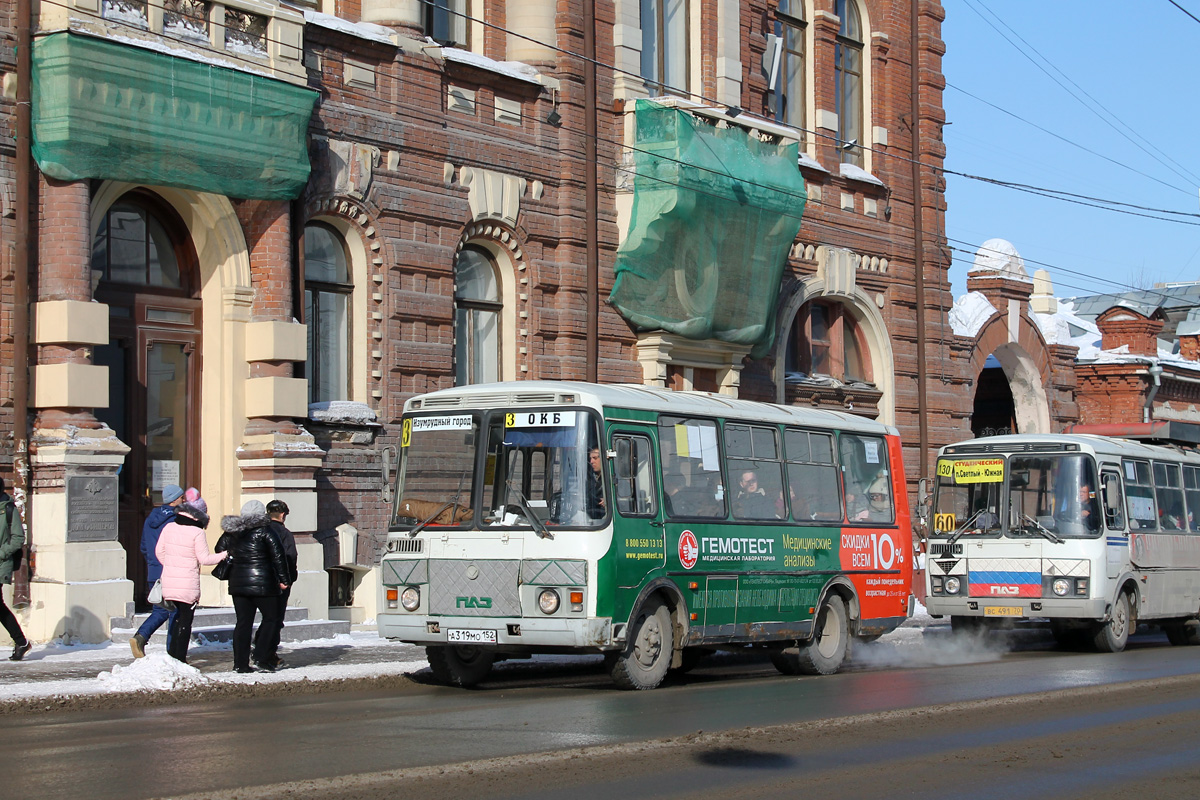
<point>1000,255</point>
<point>363,30</point>
<point>511,69</point>
<point>969,314</point>
<point>858,174</point>
<point>1064,326</point>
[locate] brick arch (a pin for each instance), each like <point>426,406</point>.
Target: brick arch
<point>1026,363</point>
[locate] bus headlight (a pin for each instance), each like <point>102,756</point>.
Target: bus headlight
<point>1061,587</point>
<point>953,585</point>
<point>410,598</point>
<point>548,601</point>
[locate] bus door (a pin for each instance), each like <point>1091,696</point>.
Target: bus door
<point>1116,539</point>
<point>638,522</point>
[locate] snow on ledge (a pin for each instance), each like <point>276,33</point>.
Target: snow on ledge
<point>851,172</point>
<point>363,30</point>
<point>345,412</point>
<point>811,163</point>
<point>969,314</point>
<point>511,69</point>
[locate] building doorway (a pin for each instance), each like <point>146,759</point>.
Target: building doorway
<point>145,268</point>
<point>994,413</point>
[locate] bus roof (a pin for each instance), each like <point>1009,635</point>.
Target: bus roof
<point>641,398</point>
<point>1104,445</point>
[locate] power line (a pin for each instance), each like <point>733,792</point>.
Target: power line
<point>1184,10</point>
<point>971,4</point>
<point>1067,140</point>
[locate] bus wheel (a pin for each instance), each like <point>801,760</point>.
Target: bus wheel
<point>1112,635</point>
<point>459,665</point>
<point>1183,634</point>
<point>831,639</point>
<point>647,655</point>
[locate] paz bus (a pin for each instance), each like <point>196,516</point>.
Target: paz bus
<point>1092,533</point>
<point>647,525</point>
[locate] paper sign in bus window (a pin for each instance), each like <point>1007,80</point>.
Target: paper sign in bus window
<point>698,441</point>
<point>979,470</point>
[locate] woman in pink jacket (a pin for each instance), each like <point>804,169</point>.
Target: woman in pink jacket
<point>182,549</point>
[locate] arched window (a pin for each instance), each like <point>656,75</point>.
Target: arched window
<point>848,82</point>
<point>477,322</point>
<point>790,28</point>
<point>827,340</point>
<point>665,45</point>
<point>327,294</point>
<point>133,247</point>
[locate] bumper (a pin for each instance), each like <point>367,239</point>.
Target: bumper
<point>1093,608</point>
<point>512,632</point>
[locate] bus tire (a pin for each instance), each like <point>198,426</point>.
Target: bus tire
<point>459,665</point>
<point>1183,634</point>
<point>1112,635</point>
<point>831,640</point>
<point>647,655</point>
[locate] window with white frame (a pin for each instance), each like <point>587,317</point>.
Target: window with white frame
<point>665,45</point>
<point>477,317</point>
<point>327,299</point>
<point>445,22</point>
<point>848,82</point>
<point>791,97</point>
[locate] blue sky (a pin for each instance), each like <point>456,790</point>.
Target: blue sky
<point>1136,60</point>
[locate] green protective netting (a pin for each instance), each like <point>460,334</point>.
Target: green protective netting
<point>107,110</point>
<point>715,211</point>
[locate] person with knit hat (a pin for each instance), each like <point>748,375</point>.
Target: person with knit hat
<point>183,549</point>
<point>258,572</point>
<point>173,497</point>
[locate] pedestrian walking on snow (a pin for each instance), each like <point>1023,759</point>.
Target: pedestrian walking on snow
<point>267,641</point>
<point>173,497</point>
<point>12,540</point>
<point>258,573</point>
<point>183,549</point>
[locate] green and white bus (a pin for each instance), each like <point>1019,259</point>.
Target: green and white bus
<point>1091,533</point>
<point>648,525</point>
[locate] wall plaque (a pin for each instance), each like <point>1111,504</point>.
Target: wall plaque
<point>91,508</point>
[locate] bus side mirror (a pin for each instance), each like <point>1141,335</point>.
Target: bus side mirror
<point>624,459</point>
<point>386,455</point>
<point>1112,494</point>
<point>923,493</point>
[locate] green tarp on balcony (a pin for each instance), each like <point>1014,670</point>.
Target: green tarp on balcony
<point>715,212</point>
<point>107,110</point>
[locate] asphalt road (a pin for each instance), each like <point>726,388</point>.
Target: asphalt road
<point>1034,723</point>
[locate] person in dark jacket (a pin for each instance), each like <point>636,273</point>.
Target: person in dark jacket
<point>258,572</point>
<point>12,539</point>
<point>172,496</point>
<point>267,640</point>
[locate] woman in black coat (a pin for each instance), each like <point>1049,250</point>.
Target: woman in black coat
<point>258,572</point>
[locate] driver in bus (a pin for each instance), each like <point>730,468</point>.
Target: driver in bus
<point>1085,507</point>
<point>595,484</point>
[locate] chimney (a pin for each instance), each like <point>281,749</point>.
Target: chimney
<point>1125,325</point>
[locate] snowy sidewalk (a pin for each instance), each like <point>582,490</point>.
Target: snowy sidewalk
<point>55,670</point>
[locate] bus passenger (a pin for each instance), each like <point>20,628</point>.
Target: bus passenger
<point>751,502</point>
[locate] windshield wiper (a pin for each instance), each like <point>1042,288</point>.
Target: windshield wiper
<point>415,529</point>
<point>965,528</point>
<point>1041,529</point>
<point>538,526</point>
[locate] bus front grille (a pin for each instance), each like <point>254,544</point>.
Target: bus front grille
<point>474,588</point>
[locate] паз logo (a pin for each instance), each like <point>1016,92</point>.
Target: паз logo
<point>473,602</point>
<point>689,549</point>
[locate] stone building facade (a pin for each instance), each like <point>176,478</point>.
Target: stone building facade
<point>338,205</point>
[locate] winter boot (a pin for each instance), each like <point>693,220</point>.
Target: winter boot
<point>20,650</point>
<point>138,645</point>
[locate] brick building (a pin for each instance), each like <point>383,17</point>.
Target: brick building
<point>246,232</point>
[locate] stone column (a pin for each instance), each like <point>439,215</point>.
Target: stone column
<point>403,15</point>
<point>78,583</point>
<point>535,19</point>
<point>278,456</point>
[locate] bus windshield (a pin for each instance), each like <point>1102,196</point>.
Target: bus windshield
<point>1050,497</point>
<point>539,468</point>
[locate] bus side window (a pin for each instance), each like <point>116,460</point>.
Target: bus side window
<point>1191,489</point>
<point>1114,504</point>
<point>635,476</point>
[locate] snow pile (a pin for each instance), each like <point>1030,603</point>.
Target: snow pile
<point>363,30</point>
<point>1064,326</point>
<point>856,173</point>
<point>157,671</point>
<point>512,69</point>
<point>343,411</point>
<point>969,314</point>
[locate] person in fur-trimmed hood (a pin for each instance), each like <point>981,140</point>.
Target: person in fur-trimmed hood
<point>258,572</point>
<point>182,548</point>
